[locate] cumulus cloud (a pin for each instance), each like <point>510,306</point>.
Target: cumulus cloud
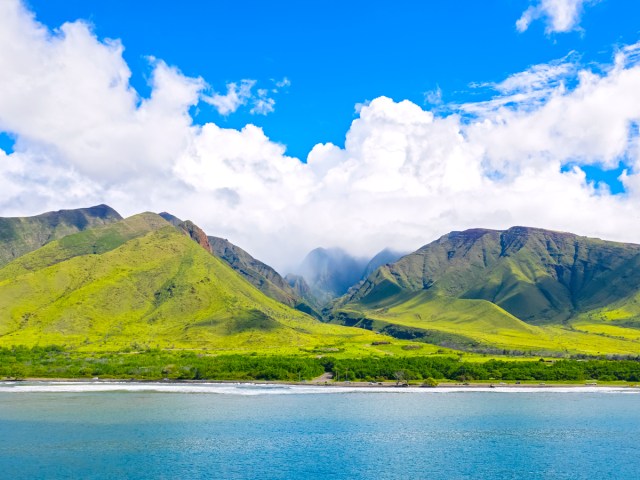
<point>559,15</point>
<point>405,176</point>
<point>67,94</point>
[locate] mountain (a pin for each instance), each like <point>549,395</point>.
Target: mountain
<point>142,282</point>
<point>261,275</point>
<point>20,235</point>
<point>303,292</point>
<point>330,272</point>
<point>190,229</point>
<point>172,219</point>
<point>520,288</point>
<point>196,234</point>
<point>381,258</point>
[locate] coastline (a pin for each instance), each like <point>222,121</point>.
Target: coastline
<point>202,386</point>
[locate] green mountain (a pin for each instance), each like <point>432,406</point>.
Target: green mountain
<point>20,235</point>
<point>141,281</point>
<point>522,288</point>
<point>302,290</point>
<point>259,274</point>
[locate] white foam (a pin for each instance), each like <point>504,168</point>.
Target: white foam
<point>248,389</point>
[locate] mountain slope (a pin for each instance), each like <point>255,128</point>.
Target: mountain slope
<point>330,272</point>
<point>156,288</point>
<point>302,291</point>
<point>546,279</point>
<point>20,235</point>
<point>89,242</point>
<point>259,274</point>
<point>384,257</point>
<point>537,275</point>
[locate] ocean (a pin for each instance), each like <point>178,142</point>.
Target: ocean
<point>243,431</point>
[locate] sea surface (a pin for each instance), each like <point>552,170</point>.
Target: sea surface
<point>243,431</point>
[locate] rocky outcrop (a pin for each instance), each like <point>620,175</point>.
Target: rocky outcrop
<point>196,234</point>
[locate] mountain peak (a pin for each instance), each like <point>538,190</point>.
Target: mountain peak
<point>21,235</point>
<point>522,230</point>
<point>534,274</point>
<point>172,219</point>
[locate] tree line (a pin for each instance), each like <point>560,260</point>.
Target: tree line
<point>154,364</point>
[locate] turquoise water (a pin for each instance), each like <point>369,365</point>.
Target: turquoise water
<point>249,432</point>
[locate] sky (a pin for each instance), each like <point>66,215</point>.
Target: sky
<point>284,126</point>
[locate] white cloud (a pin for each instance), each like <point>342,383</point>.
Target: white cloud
<point>433,97</point>
<point>559,15</point>
<point>285,82</point>
<point>236,96</point>
<point>404,177</point>
<point>242,94</point>
<point>67,94</point>
<point>262,104</point>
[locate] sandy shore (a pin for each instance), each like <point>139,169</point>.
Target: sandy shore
<point>333,384</point>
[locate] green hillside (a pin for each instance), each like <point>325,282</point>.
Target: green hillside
<point>20,235</point>
<point>520,289</point>
<point>259,274</point>
<point>141,282</point>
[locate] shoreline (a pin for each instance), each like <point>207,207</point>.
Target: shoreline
<point>326,384</point>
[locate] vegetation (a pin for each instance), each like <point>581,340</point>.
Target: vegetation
<point>20,235</point>
<point>141,280</point>
<point>521,290</point>
<point>153,364</point>
<point>448,368</point>
<point>142,284</point>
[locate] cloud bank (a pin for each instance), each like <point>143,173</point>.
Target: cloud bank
<point>404,177</point>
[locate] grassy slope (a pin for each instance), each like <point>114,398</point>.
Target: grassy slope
<point>20,235</point>
<point>481,284</point>
<point>488,325</point>
<point>158,288</point>
<point>256,272</point>
<point>620,319</point>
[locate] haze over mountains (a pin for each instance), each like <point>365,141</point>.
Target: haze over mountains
<point>331,272</point>
<point>88,277</point>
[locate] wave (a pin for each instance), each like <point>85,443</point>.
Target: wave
<point>250,389</point>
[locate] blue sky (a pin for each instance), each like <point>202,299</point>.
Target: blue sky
<point>289,125</point>
<point>338,54</point>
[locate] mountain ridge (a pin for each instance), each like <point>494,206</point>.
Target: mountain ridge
<point>542,277</point>
<point>21,235</point>
<point>518,289</point>
<point>149,284</point>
